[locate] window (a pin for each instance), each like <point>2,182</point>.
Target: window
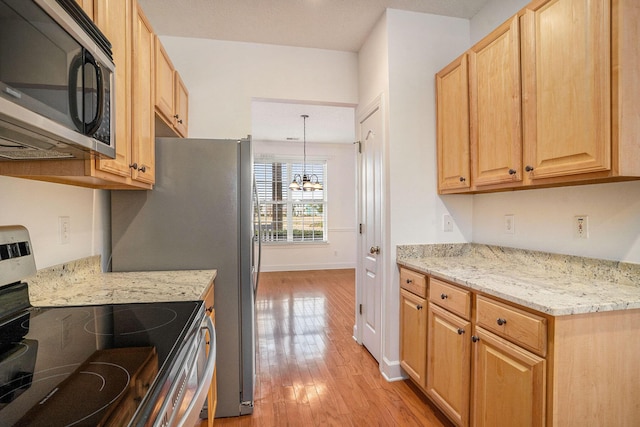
<point>286,215</point>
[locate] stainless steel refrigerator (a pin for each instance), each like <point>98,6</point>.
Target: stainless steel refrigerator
<point>200,216</point>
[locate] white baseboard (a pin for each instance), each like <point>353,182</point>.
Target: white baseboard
<point>391,370</point>
<point>297,267</point>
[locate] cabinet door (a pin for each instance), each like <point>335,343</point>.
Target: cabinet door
<point>567,87</point>
<point>88,7</point>
<point>496,133</point>
<point>413,339</point>
<point>508,384</point>
<point>452,90</point>
<point>113,17</point>
<point>143,134</point>
<point>212,396</point>
<point>449,363</point>
<point>164,74</point>
<point>181,117</point>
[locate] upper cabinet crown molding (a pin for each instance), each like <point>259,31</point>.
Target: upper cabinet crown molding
<point>552,100</point>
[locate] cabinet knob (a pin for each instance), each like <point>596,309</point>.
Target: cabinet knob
<point>134,166</point>
<point>463,179</point>
<point>512,172</point>
<point>209,309</point>
<point>501,321</point>
<point>419,307</point>
<point>460,331</point>
<point>143,169</point>
<point>180,121</point>
<point>475,338</point>
<point>528,168</point>
<point>409,281</point>
<point>175,116</point>
<point>444,296</point>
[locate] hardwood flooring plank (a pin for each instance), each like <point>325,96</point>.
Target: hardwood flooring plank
<point>309,369</point>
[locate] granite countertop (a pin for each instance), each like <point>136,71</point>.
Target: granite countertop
<point>82,282</point>
<point>549,283</point>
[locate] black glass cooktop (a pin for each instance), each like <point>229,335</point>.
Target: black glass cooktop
<point>87,365</point>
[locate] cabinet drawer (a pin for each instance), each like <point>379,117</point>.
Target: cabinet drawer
<point>522,328</point>
<point>453,298</point>
<point>415,283</point>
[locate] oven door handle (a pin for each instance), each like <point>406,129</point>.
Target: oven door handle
<point>203,383</point>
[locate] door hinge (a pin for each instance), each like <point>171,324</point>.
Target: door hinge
<point>359,146</point>
<point>360,228</point>
<point>360,308</point>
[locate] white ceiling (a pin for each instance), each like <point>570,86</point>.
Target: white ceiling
<point>324,24</point>
<point>281,121</point>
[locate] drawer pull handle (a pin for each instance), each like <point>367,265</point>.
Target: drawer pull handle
<point>501,321</point>
<point>419,307</point>
<point>462,179</point>
<point>409,281</point>
<point>460,331</point>
<point>475,338</point>
<point>444,296</point>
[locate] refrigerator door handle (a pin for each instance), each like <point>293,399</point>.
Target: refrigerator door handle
<point>257,266</point>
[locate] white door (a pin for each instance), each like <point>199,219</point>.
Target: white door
<point>370,256</point>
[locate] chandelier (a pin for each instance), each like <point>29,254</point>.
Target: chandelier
<point>305,182</point>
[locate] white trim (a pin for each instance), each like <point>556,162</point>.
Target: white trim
<point>378,103</point>
<point>298,267</point>
<point>391,370</point>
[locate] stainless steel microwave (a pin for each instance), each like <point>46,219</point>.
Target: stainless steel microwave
<point>57,83</point>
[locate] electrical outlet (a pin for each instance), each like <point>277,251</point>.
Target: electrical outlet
<point>581,226</point>
<point>64,230</point>
<point>510,224</point>
<point>447,223</point>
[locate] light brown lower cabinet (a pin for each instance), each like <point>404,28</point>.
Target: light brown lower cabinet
<point>449,363</point>
<point>493,363</point>
<point>212,396</point>
<point>508,383</point>
<point>413,318</point>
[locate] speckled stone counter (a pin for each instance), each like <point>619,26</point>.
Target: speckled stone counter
<point>81,282</point>
<point>550,283</point>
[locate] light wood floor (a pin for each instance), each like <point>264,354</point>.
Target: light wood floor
<point>310,371</point>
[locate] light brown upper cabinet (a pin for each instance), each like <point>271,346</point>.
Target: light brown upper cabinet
<point>553,99</point>
<point>567,87</point>
<point>494,92</point>
<point>87,6</point>
<point>452,91</point>
<point>142,122</point>
<point>172,97</point>
<point>131,36</point>
<point>124,24</point>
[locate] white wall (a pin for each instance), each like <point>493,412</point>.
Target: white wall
<point>399,61</point>
<point>340,188</point>
<point>224,77</point>
<point>494,13</point>
<point>543,217</point>
<point>37,206</point>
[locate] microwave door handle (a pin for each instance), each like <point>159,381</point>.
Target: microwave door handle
<point>94,125</point>
<point>74,67</point>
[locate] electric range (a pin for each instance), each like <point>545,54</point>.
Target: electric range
<point>118,364</point>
